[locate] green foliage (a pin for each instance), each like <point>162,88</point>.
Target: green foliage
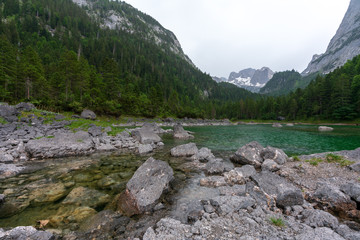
<point>314,161</point>
<point>332,158</point>
<point>279,222</point>
<point>296,158</point>
<point>3,121</point>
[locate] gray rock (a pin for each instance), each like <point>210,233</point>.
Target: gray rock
<point>247,171</point>
<point>287,194</point>
<point>180,133</point>
<point>274,154</point>
<point>348,233</point>
<point>146,186</point>
<point>325,129</point>
<point>59,117</point>
<point>152,127</point>
<point>204,155</point>
<point>95,131</point>
<point>9,113</point>
<point>277,125</point>
<point>10,170</point>
<point>353,190</point>
<point>215,166</point>
<point>321,233</point>
<point>318,218</point>
<point>239,190</point>
<point>261,197</point>
<point>25,107</point>
<point>249,154</point>
<point>88,114</point>
<point>6,158</point>
<point>145,136</point>
<point>270,165</point>
<point>235,176</point>
<point>25,233</point>
<point>169,229</point>
<point>185,150</point>
<point>229,204</point>
<point>213,181</point>
<point>332,197</point>
<point>355,167</point>
<point>62,145</point>
<point>145,148</point>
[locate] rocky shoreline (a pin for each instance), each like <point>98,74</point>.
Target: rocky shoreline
<point>260,194</point>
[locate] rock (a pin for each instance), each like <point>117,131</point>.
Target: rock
<point>62,145</point>
<point>2,199</point>
<point>6,158</point>
<point>249,154</point>
<point>277,125</point>
<point>261,197</point>
<point>290,125</point>
<point>185,150</point>
<point>75,116</point>
<point>95,131</point>
<point>88,114</point>
<point>234,177</point>
<point>247,171</point>
<point>145,188</point>
<point>215,166</point>
<point>59,117</point>
<point>318,218</point>
<point>27,107</point>
<point>145,148</point>
<point>239,190</point>
<point>9,113</point>
<point>352,189</point>
<point>355,167</point>
<point>48,192</point>
<point>325,129</point>
<point>10,170</point>
<point>145,136</point>
<point>82,196</point>
<point>213,181</point>
<point>71,214</point>
<point>348,233</point>
<point>269,165</point>
<point>204,155</point>
<point>105,147</point>
<point>287,194</point>
<point>180,133</point>
<point>229,204</point>
<point>331,197</point>
<point>274,154</point>
<point>152,127</point>
<point>169,229</point>
<point>24,233</point>
<point>321,233</point>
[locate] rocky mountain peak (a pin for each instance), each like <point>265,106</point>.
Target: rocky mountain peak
<point>344,46</point>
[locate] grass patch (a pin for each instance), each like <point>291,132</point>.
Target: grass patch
<point>50,137</point>
<point>279,222</point>
<point>3,121</point>
<point>332,158</point>
<point>296,158</point>
<point>314,161</point>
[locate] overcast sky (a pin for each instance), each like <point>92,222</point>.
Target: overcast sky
<point>221,36</point>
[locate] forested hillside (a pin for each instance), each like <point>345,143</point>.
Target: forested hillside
<point>57,56</point>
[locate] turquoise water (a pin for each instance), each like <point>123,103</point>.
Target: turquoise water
<point>297,140</point>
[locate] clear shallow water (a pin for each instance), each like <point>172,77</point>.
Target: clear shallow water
<point>297,140</point>
<point>222,140</point>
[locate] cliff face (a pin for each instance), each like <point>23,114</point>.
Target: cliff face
<point>344,45</point>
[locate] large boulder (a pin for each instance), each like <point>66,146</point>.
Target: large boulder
<point>145,188</point>
<point>286,194</point>
<point>180,133</point>
<point>330,196</point>
<point>352,190</point>
<point>318,218</point>
<point>274,154</point>
<point>153,127</point>
<point>215,166</point>
<point>62,145</point>
<point>204,155</point>
<point>186,150</point>
<point>25,107</point>
<point>9,113</point>
<point>24,233</point>
<point>249,154</point>
<point>145,136</point>
<point>88,114</point>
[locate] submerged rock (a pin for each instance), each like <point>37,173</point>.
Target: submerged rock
<point>186,150</point>
<point>82,196</point>
<point>145,148</point>
<point>145,188</point>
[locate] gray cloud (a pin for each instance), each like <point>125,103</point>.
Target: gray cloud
<point>230,35</point>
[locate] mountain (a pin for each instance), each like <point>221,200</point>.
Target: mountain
<point>249,79</point>
<point>344,46</point>
<point>281,83</point>
<point>67,55</point>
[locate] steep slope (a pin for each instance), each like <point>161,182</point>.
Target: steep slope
<point>249,79</point>
<point>103,55</point>
<point>344,45</point>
